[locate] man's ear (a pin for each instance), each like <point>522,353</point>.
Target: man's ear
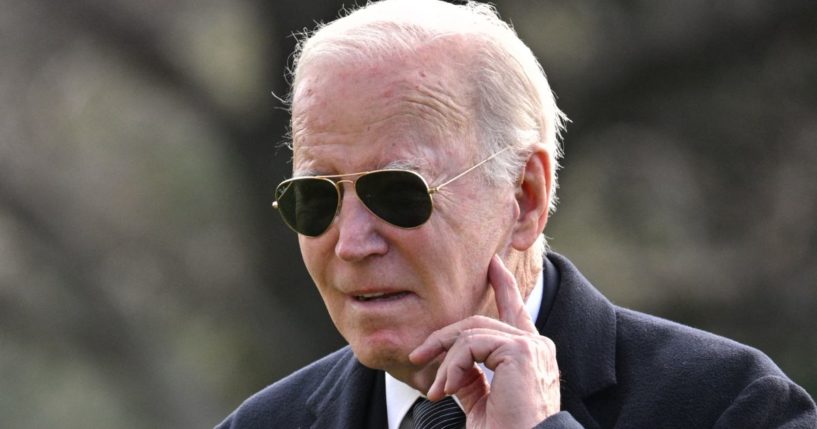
<point>533,198</point>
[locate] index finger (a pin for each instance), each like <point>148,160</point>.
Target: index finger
<point>508,297</point>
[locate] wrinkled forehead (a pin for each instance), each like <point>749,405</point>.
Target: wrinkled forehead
<point>411,104</point>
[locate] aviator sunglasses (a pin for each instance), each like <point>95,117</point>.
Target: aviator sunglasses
<point>309,204</point>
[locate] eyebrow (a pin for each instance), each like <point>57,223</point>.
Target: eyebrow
<point>405,164</point>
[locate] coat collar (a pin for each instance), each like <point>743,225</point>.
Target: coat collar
<point>582,324</point>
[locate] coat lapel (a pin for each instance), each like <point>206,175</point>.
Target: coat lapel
<point>582,324</point>
<point>342,399</point>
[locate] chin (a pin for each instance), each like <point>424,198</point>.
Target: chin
<point>381,355</point>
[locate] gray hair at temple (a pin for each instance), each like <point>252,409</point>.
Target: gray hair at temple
<point>514,103</point>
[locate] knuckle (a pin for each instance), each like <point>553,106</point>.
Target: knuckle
<point>526,345</point>
<point>469,336</point>
<point>548,345</point>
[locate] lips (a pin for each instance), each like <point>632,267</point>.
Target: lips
<point>379,296</point>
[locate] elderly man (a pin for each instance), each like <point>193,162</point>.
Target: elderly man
<point>425,152</point>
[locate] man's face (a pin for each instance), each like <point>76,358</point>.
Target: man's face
<point>388,288</point>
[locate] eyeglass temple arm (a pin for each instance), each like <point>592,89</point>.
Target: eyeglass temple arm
<point>440,186</point>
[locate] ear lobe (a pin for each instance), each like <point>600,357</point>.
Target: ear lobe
<point>533,199</point>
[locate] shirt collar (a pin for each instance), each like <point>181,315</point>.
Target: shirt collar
<point>400,396</point>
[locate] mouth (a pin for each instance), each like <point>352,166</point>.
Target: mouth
<point>380,296</point>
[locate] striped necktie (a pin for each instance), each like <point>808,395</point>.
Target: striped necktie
<point>443,414</point>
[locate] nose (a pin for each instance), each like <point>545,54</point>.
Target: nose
<point>358,235</point>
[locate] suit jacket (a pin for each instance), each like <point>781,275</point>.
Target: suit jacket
<point>619,368</point>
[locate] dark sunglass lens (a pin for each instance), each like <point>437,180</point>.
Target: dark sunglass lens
<point>307,205</point>
<point>398,197</point>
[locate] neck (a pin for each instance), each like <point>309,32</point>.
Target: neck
<point>525,267</point>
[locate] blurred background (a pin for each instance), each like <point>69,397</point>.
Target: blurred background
<point>145,282</point>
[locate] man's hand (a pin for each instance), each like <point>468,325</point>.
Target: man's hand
<point>525,386</point>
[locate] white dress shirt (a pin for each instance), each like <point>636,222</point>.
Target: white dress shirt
<point>400,396</point>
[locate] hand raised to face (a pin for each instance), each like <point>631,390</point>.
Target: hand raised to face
<point>525,386</point>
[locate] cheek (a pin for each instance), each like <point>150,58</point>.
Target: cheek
<point>457,268</point>
<point>464,242</point>
<point>313,253</point>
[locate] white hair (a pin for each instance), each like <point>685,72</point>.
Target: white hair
<point>514,105</point>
